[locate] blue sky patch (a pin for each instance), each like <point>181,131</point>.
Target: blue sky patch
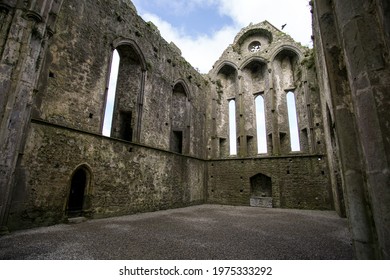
<point>189,18</point>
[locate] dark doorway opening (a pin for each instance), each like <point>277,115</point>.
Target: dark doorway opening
<point>76,195</point>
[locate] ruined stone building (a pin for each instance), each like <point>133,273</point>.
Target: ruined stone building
<point>180,138</point>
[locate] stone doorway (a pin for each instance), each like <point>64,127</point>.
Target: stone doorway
<point>77,193</point>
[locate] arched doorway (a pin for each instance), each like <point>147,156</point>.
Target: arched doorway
<point>77,193</point>
<point>261,191</point>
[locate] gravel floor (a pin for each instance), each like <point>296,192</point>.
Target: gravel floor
<point>198,232</point>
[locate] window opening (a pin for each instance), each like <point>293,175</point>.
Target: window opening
<point>293,122</point>
<point>180,131</point>
<point>232,127</point>
<point>254,46</point>
<point>109,111</point>
<point>260,125</point>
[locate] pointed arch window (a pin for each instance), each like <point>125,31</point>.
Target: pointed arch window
<point>232,127</point>
<point>124,94</point>
<point>260,125</point>
<point>109,110</point>
<point>293,122</point>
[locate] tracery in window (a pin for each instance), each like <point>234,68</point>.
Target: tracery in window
<point>254,46</point>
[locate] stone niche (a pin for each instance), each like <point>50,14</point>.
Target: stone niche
<point>261,191</point>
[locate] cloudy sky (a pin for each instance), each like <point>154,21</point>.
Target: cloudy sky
<point>203,29</point>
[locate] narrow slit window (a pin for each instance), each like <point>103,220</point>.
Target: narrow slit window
<point>232,127</point>
<point>293,122</point>
<point>111,94</point>
<point>260,125</point>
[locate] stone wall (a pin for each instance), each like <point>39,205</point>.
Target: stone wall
<point>352,50</point>
<point>263,62</point>
<point>124,177</point>
<point>297,181</point>
<point>26,29</point>
<point>75,80</point>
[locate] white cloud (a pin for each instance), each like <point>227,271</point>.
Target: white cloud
<point>202,51</point>
<point>296,14</point>
<point>179,7</point>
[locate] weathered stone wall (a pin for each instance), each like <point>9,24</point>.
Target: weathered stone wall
<point>297,181</point>
<point>352,45</point>
<point>328,123</point>
<point>263,61</point>
<point>78,64</point>
<point>124,177</point>
<point>26,28</point>
<point>68,113</point>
